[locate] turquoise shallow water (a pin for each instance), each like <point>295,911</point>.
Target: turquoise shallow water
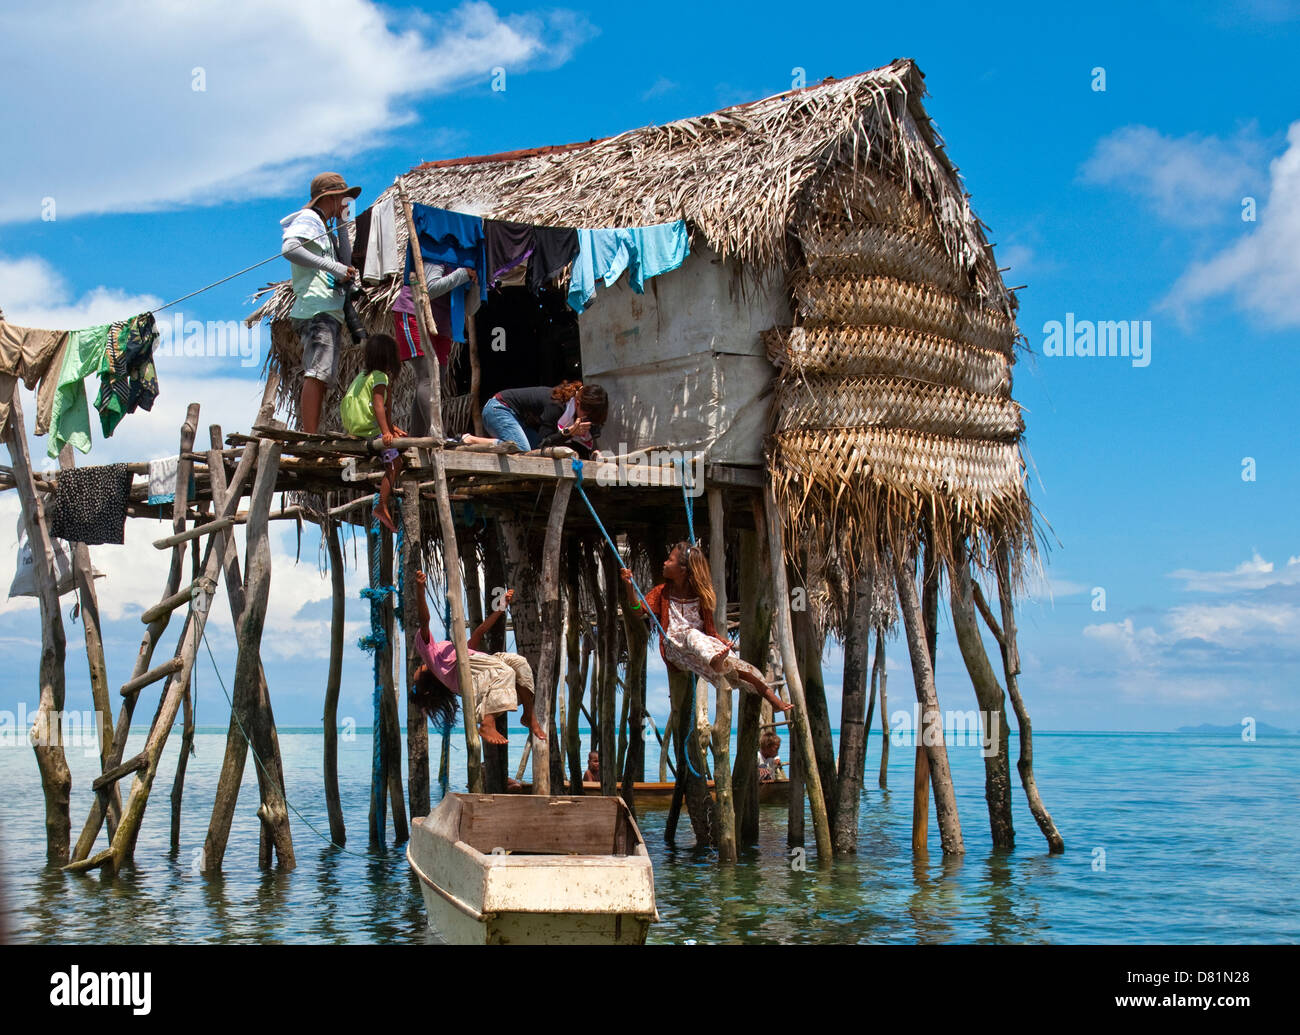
<point>1198,835</point>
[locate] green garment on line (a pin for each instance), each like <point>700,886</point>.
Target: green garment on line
<point>127,379</point>
<point>70,415</point>
<point>357,407</point>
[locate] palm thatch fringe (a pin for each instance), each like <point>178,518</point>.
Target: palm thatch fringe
<point>870,489</point>
<point>826,403</point>
<point>834,349</point>
<point>861,299</point>
<point>885,249</point>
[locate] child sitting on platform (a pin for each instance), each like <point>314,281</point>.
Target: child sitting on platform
<point>683,604</point>
<point>365,408</point>
<point>502,681</point>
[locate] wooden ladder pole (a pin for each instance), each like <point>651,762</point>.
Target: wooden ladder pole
<point>451,555</point>
<point>152,634</point>
<point>47,732</point>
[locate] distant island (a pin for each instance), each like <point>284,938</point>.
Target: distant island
<point>1262,729</point>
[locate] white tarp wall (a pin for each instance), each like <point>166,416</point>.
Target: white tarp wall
<point>683,363</point>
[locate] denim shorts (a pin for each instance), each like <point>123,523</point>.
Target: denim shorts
<point>500,421</point>
<point>321,337</point>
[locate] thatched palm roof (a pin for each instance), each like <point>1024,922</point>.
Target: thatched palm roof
<point>740,177</point>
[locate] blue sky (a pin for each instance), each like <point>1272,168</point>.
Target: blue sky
<point>1122,204</point>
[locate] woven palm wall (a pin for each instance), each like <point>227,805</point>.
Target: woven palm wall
<point>893,415</point>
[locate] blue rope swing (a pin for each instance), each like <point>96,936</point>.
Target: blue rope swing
<point>577,470</point>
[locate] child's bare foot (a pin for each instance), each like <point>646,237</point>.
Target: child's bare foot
<point>534,727</point>
<point>487,729</point>
<point>385,519</point>
<point>779,705</point>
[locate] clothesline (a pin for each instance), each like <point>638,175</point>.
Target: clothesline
<point>278,255</point>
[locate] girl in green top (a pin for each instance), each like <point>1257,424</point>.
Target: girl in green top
<point>364,410</point>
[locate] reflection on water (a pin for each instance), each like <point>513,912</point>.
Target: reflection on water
<point>1199,824</point>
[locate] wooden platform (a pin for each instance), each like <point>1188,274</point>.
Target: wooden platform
<point>660,795</point>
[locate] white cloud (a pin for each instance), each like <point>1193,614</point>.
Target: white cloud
<point>34,294</point>
<point>1236,624</point>
<point>1191,180</point>
<point>109,119</point>
<point>1261,271</point>
<point>1255,573</point>
<point>1124,637</point>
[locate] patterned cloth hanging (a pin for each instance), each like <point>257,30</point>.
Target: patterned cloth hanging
<point>127,378</point>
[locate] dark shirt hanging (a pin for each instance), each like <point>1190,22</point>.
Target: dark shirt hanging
<point>508,245</point>
<point>89,504</point>
<point>555,247</point>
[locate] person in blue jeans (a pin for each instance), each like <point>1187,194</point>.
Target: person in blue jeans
<point>570,414</point>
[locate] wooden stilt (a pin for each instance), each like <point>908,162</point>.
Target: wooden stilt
<point>878,666</point>
<point>1006,637</point>
<point>853,724</point>
<point>243,714</point>
<point>613,589</point>
<point>577,660</point>
<point>450,552</point>
<point>932,744</point>
<point>724,809</point>
<point>637,637</point>
<point>273,811</point>
<point>333,805</point>
<point>799,716</point>
<point>548,668</point>
<point>46,734</point>
<point>417,728</point>
<point>505,563</point>
<point>389,709</point>
<point>988,694</point>
<point>83,581</point>
<point>755,639</point>
<point>810,644</point>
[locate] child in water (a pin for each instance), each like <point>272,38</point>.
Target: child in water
<point>683,603</point>
<point>501,681</point>
<point>365,413</point>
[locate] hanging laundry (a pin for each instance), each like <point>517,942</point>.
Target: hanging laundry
<point>508,247</point>
<point>69,413</point>
<point>29,354</point>
<point>361,237</point>
<point>658,249</point>
<point>555,248</point>
<point>456,240</point>
<point>381,259</point>
<point>24,581</point>
<point>127,378</point>
<point>604,254</point>
<point>89,504</point>
<point>162,481</point>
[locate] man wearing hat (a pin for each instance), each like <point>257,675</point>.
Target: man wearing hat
<point>322,269</point>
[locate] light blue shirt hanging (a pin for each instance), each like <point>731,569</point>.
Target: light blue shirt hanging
<point>646,251</point>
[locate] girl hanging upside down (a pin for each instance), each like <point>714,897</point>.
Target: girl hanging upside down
<point>683,603</point>
<point>502,681</point>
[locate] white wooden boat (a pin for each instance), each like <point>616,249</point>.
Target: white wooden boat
<point>527,869</point>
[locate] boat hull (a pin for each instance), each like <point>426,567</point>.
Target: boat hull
<point>496,870</point>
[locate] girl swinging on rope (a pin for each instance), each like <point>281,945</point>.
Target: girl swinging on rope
<point>683,603</point>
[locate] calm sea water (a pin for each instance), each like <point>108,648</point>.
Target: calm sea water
<point>1196,834</point>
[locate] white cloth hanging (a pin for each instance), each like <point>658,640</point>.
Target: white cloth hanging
<point>162,479</point>
<point>24,583</point>
<point>381,250</point>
